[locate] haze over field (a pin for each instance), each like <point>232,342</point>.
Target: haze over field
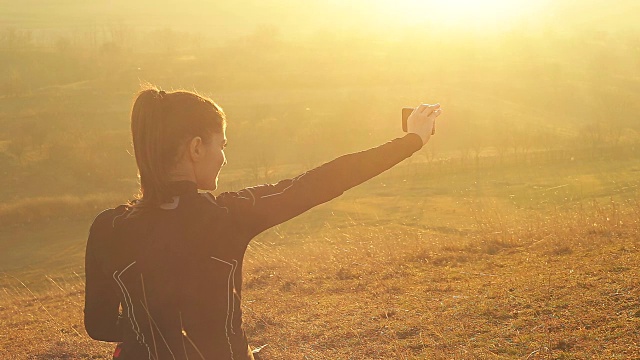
<point>530,74</point>
<point>225,19</point>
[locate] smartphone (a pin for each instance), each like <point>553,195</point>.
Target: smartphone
<point>405,116</point>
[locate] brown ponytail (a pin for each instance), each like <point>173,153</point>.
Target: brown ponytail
<point>161,123</point>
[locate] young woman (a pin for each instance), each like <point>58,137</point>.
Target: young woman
<point>164,273</point>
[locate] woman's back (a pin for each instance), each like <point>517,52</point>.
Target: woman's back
<point>165,264</point>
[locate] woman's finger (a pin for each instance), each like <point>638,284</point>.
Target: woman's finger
<point>428,108</point>
<point>435,113</point>
<point>423,107</point>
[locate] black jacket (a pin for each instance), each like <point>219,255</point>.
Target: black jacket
<point>167,281</point>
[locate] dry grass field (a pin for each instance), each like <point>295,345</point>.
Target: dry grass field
<point>527,262</point>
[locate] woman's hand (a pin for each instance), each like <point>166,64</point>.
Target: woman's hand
<point>422,119</point>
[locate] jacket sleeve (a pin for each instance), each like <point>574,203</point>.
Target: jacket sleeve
<point>102,305</point>
<point>256,209</point>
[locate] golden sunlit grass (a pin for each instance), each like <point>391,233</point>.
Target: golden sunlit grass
<point>419,274</point>
<point>556,289</point>
<point>25,211</point>
<point>46,323</point>
<point>396,295</point>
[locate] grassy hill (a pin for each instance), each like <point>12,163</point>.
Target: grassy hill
<point>425,262</point>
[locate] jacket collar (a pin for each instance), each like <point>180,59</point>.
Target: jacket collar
<point>183,187</point>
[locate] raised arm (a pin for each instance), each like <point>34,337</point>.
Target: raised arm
<point>256,209</point>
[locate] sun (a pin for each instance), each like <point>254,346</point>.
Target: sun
<point>469,14</point>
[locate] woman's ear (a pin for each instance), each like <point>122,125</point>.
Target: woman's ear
<point>196,149</point>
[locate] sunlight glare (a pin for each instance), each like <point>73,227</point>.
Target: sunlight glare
<point>470,14</point>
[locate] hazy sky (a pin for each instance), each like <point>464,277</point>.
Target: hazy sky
<point>298,18</point>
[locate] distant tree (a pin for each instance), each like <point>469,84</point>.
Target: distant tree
<point>121,35</point>
<point>476,140</point>
<point>430,152</point>
<point>501,135</point>
<point>263,137</point>
<point>14,39</point>
<point>592,135</point>
<point>308,138</point>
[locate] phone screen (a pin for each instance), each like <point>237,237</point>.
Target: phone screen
<point>405,115</point>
